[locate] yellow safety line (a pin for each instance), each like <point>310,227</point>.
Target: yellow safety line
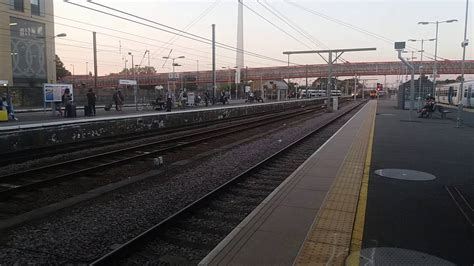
<point>329,239</point>
<point>358,229</point>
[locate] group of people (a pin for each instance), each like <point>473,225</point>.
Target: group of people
<point>428,108</point>
<point>223,97</point>
<point>70,108</point>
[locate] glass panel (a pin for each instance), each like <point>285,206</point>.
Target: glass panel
<point>28,48</point>
<point>16,5</point>
<point>35,7</point>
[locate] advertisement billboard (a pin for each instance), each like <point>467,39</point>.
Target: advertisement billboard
<point>54,92</point>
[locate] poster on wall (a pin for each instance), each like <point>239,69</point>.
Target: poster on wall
<point>54,92</point>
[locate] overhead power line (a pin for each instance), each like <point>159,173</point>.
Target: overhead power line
<point>276,26</point>
<point>351,26</point>
<point>132,34</point>
<point>171,30</point>
<point>295,27</point>
<point>192,23</point>
<point>289,23</point>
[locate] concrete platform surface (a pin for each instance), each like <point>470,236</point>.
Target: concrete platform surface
<point>274,233</point>
<point>336,210</point>
<point>434,217</point>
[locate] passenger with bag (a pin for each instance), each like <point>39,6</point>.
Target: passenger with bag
<point>69,108</point>
<point>118,99</point>
<point>89,110</point>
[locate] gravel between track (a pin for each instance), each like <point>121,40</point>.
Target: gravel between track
<point>88,230</point>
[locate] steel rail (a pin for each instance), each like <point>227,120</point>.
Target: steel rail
<point>122,251</point>
<point>55,178</point>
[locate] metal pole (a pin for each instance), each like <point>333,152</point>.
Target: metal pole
<point>435,70</point>
<point>174,79</point>
<point>306,81</point>
<point>363,87</point>
<point>329,83</point>
<point>412,83</point>
<point>87,68</point>
<point>420,83</point>
<point>197,72</point>
<point>214,60</point>
<point>94,40</point>
<point>230,87</point>
<point>288,74</point>
<point>461,87</point>
<point>135,87</point>
<point>148,51</point>
<point>355,86</point>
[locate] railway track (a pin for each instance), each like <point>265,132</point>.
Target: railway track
<point>190,234</point>
<point>34,189</point>
<point>37,177</point>
<point>23,156</point>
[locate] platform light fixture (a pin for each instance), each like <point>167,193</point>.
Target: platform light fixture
<point>435,70</point>
<point>421,65</point>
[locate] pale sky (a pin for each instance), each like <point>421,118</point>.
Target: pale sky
<point>393,20</point>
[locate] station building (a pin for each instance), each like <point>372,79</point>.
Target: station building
<point>27,48</point>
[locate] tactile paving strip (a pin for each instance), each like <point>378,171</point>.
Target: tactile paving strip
<point>329,240</point>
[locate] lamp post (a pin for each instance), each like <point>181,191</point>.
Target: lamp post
<point>464,43</point>
<point>87,68</point>
<point>197,72</point>
<point>435,70</point>
<point>174,75</point>
<point>421,60</point>
<point>73,75</point>
<point>229,81</point>
<point>135,86</point>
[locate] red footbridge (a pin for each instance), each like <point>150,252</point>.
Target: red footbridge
<point>281,72</point>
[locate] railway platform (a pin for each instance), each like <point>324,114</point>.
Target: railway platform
<point>19,135</point>
<point>383,190</point>
<point>42,115</point>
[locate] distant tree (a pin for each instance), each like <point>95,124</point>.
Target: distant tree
<point>61,71</point>
<point>139,70</point>
<point>448,81</point>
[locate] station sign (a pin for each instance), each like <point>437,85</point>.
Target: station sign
<point>127,82</point>
<point>54,92</point>
<point>173,76</point>
<point>400,45</point>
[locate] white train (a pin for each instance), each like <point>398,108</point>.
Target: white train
<point>449,93</point>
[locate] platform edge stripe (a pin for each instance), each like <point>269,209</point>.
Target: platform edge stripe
<point>358,228</point>
<point>314,225</point>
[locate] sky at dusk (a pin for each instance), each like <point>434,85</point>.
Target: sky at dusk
<point>328,24</point>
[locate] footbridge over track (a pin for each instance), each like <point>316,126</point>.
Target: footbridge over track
<point>281,72</point>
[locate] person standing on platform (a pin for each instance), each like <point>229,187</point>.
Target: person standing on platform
<point>67,100</point>
<point>169,99</point>
<point>8,104</point>
<point>118,98</point>
<point>207,97</point>
<point>91,98</point>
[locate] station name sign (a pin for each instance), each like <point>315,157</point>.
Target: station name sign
<point>127,82</point>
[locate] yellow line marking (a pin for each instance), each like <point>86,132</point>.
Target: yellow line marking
<point>329,238</point>
<point>358,231</point>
